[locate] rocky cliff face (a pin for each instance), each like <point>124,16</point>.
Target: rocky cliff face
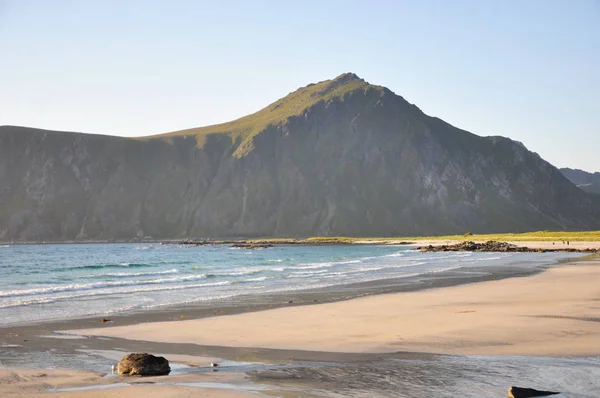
<point>588,182</point>
<point>354,160</point>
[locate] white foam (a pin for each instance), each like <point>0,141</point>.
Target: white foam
<point>259,279</point>
<point>398,254</point>
<point>128,274</point>
<point>146,248</point>
<point>104,292</point>
<point>342,262</point>
<point>309,273</point>
<point>96,285</point>
<point>312,266</point>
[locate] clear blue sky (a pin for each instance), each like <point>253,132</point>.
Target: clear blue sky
<point>528,70</point>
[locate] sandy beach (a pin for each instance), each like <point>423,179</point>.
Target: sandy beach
<point>554,313</point>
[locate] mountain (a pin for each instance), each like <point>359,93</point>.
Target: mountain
<point>588,182</point>
<point>340,157</point>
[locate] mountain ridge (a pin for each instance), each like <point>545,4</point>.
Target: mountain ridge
<point>341,157</point>
<point>244,129</point>
<point>586,181</point>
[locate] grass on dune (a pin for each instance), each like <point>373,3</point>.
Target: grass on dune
<point>546,236</point>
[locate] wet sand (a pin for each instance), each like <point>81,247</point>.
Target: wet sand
<point>32,383</point>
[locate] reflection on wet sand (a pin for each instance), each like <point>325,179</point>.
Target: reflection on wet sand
<point>358,375</point>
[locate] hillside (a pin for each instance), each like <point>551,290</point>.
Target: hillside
<point>341,157</point>
<point>242,131</point>
<point>588,182</point>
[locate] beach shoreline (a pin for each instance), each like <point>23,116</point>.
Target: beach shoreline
<point>35,338</point>
<point>18,334</point>
<point>529,239</point>
<point>266,301</point>
<point>260,301</point>
<point>552,313</point>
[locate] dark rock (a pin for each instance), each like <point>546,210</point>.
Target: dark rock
<point>493,246</point>
<point>251,246</point>
<point>520,392</point>
<point>143,365</point>
<point>193,242</point>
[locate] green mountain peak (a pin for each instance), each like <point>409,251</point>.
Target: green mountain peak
<point>242,130</point>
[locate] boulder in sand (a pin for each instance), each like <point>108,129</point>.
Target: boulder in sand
<point>520,392</point>
<point>143,365</point>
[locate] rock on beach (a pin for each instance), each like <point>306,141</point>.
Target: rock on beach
<point>143,365</point>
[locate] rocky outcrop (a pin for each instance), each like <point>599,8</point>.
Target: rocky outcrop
<point>520,392</point>
<point>339,158</point>
<point>143,365</point>
<point>493,246</point>
<point>251,246</point>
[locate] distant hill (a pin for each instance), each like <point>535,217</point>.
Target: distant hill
<point>589,182</point>
<point>340,157</point>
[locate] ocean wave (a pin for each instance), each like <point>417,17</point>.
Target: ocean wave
<point>105,292</point>
<point>259,279</point>
<point>444,256</point>
<point>95,285</point>
<point>147,248</point>
<point>189,301</point>
<point>397,254</point>
<point>360,260</point>
<point>366,269</point>
<point>233,273</point>
<point>309,273</point>
<point>102,266</point>
<point>130,274</point>
<point>328,264</point>
<point>312,265</point>
<point>491,258</point>
<point>244,271</point>
<point>435,271</point>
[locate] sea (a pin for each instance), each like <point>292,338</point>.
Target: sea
<point>68,281</point>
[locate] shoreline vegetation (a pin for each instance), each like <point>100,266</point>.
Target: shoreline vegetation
<point>536,236</point>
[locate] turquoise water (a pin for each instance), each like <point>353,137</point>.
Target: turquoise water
<point>46,282</point>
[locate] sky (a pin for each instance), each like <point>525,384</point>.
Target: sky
<point>527,70</point>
